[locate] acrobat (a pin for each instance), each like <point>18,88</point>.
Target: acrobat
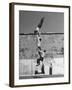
<point>40,65</point>
<point>37,33</point>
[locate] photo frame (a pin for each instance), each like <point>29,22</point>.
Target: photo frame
<point>39,44</point>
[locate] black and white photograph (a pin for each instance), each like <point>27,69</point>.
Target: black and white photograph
<point>39,44</point>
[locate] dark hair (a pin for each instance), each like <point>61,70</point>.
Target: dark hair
<point>40,39</point>
<point>44,50</point>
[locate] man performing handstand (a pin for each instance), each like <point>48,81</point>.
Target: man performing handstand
<point>37,31</point>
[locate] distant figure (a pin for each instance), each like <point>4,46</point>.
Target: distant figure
<point>50,69</point>
<point>51,66</point>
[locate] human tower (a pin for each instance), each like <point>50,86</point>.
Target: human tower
<point>41,52</point>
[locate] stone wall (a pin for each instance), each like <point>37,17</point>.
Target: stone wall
<point>53,44</point>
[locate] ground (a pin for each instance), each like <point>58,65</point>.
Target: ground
<point>27,68</point>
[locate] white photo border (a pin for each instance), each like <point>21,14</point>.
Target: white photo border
<point>56,80</point>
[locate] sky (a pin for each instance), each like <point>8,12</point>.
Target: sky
<point>53,22</point>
